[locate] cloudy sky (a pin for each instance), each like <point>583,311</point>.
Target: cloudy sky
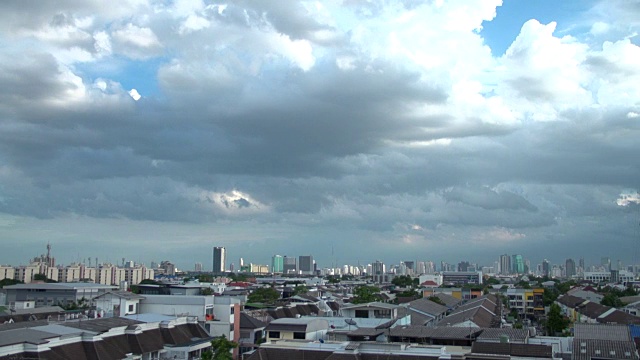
<point>394,130</point>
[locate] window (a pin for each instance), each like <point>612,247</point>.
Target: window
<point>131,308</point>
<point>362,313</point>
<point>233,309</point>
<point>274,334</point>
<point>299,335</point>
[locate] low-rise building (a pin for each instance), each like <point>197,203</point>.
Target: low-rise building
<point>307,328</point>
<point>50,294</point>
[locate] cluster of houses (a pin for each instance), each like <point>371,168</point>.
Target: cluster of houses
<point>176,320</point>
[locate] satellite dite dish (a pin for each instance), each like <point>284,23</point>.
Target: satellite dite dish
<point>350,321</point>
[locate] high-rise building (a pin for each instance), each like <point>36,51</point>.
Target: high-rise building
<point>546,268</point>
<point>198,267</point>
<point>517,264</point>
<point>305,264</point>
<point>463,266</point>
<point>277,264</point>
<point>606,263</point>
<point>377,271</point>
<point>505,264</point>
<point>570,268</point>
<point>219,260</point>
<point>289,266</point>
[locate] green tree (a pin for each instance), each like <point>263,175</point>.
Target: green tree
<point>402,281</point>
<point>266,295</point>
<point>612,299</point>
<point>556,323</point>
<point>43,277</point>
<point>300,289</point>
<point>221,348</point>
<point>8,282</point>
<point>437,300</point>
<point>365,294</point>
<point>332,279</point>
<point>206,291</point>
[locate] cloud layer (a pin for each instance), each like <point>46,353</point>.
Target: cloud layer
<point>294,128</point>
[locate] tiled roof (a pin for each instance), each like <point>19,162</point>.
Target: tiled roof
<point>593,310</point>
<point>586,349</point>
<point>495,334</point>
<point>366,332</point>
<point>427,306</point>
<point>478,315</point>
<point>601,332</point>
<point>570,301</point>
<point>448,300</point>
<point>513,349</point>
<point>249,322</point>
<point>619,317</point>
<point>421,332</point>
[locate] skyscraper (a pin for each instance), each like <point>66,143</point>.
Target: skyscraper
<point>305,264</point>
<point>290,266</point>
<point>505,264</point>
<point>546,268</point>
<point>517,264</point>
<point>219,260</point>
<point>570,268</point>
<point>277,264</point>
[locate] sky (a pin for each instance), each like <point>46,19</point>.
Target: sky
<point>348,130</point>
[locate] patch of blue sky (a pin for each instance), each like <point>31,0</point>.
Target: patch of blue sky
<point>141,75</point>
<point>505,27</point>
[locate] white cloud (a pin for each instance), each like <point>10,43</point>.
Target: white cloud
<point>136,42</point>
<point>628,198</point>
<point>134,94</point>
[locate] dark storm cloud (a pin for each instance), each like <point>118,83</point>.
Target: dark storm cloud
<point>259,131</point>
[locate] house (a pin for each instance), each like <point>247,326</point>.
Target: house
<point>152,337</point>
<point>251,332</point>
<point>117,303</point>
<point>307,328</point>
<point>586,293</point>
<point>375,310</point>
<point>425,312</point>
<point>585,311</point>
<point>338,350</point>
<point>483,312</point>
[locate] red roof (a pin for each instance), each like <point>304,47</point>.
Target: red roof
<point>429,283</point>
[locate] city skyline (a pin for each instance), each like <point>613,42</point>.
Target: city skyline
<point>352,131</point>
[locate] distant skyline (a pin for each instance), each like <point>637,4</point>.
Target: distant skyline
<point>353,131</point>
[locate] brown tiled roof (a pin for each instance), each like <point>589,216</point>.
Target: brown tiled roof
<point>570,300</point>
<point>427,306</point>
<point>619,317</point>
<point>448,300</point>
<point>593,310</point>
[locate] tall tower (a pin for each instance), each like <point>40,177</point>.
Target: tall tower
<point>219,259</point>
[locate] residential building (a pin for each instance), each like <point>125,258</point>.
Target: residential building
<point>219,260</point>
<point>462,278</point>
<point>527,302</point>
<point>425,312</point>
<point>117,303</point>
<point>50,294</point>
<point>137,337</point>
<point>306,328</point>
<point>505,264</point>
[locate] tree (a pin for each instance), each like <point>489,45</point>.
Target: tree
<point>556,323</point>
<point>220,349</point>
<point>333,279</point>
<point>7,282</point>
<point>365,294</point>
<point>611,299</point>
<point>266,295</point>
<point>437,300</point>
<point>300,289</point>
<point>402,281</point>
<point>43,277</point>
